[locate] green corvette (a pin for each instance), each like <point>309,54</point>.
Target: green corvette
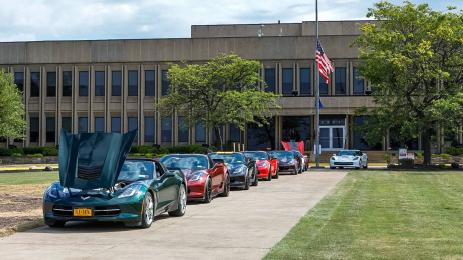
<point>97,183</point>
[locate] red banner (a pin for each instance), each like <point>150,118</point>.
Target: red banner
<point>292,145</point>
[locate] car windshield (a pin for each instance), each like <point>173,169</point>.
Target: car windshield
<point>136,171</point>
<point>282,154</point>
<point>229,157</point>
<point>257,155</point>
<point>192,162</point>
<point>347,153</point>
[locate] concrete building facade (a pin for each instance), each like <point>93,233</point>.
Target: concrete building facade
<point>113,85</point>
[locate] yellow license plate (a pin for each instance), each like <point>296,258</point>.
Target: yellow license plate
<point>83,212</point>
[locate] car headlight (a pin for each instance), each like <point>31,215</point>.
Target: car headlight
<point>238,170</point>
<point>356,158</point>
<point>196,177</point>
<point>130,191</point>
<point>333,158</point>
<point>263,164</point>
<point>52,192</point>
<point>293,161</point>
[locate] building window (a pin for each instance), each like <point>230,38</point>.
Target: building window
<point>50,130</point>
<point>235,133</point>
<point>66,124</point>
<point>150,83</point>
<point>323,86</point>
<point>67,83</point>
<point>83,83</point>
<point>296,128</point>
<point>35,84</point>
<point>34,129</point>
<point>183,135</point>
<point>164,83</point>
<point>132,123</point>
<point>133,83</point>
<point>83,124</point>
<point>304,81</point>
<point>19,80</point>
<point>116,83</point>
<point>99,83</point>
<point>341,86</point>
<point>270,79</point>
<point>99,125</point>
<point>287,79</point>
<point>261,137</point>
<point>200,133</point>
<point>51,84</point>
<point>359,84</point>
<point>115,124</point>
<point>149,129</point>
<point>166,129</point>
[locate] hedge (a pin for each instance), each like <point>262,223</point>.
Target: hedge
<point>45,151</point>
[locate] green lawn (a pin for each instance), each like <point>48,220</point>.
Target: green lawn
<point>382,215</point>
<point>28,178</point>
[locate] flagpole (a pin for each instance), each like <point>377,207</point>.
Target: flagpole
<point>317,95</point>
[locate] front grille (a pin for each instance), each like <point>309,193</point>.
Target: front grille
<point>62,211</point>
<point>343,163</point>
<point>106,210</point>
<point>89,172</point>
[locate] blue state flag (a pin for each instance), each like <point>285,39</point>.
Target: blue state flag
<point>320,104</point>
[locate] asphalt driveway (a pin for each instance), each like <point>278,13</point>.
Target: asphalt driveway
<point>243,226</point>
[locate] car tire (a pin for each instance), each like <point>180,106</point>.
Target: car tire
<point>269,177</point>
<point>207,191</point>
<point>246,183</point>
<point>256,180</point>
<point>366,166</point>
<point>295,171</point>
<point>181,203</point>
<point>332,167</point>
<point>55,223</point>
<point>149,206</point>
<point>226,188</point>
<point>276,175</point>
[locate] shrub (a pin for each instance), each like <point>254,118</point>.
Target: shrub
<point>5,152</point>
<point>407,163</point>
<point>455,151</point>
<point>36,155</point>
<point>455,165</point>
<point>16,155</point>
<point>49,151</point>
<point>32,150</point>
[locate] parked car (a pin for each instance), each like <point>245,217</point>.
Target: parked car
<point>349,159</point>
<point>243,170</point>
<point>98,184</point>
<point>267,166</point>
<point>287,161</point>
<point>206,178</point>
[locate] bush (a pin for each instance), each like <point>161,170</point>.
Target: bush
<point>407,163</point>
<point>5,152</point>
<point>36,155</point>
<point>32,150</point>
<point>455,151</point>
<point>455,165</point>
<point>49,151</point>
<point>16,155</point>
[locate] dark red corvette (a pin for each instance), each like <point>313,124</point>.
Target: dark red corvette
<point>206,178</point>
<point>267,165</point>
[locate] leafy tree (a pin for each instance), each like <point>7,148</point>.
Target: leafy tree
<point>224,90</point>
<point>413,57</point>
<point>12,122</point>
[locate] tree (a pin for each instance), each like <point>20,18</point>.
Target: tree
<point>12,123</point>
<point>413,57</point>
<point>224,90</point>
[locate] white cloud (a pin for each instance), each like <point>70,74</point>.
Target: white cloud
<point>103,19</point>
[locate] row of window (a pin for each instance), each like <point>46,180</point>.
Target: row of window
<point>100,83</point>
<point>149,127</point>
<point>305,88</point>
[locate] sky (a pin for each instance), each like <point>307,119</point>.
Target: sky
<point>32,20</point>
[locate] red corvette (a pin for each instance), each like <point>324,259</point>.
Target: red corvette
<point>206,178</point>
<point>267,165</point>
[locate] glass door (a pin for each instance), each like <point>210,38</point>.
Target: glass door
<point>332,137</point>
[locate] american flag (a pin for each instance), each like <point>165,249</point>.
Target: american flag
<point>324,64</point>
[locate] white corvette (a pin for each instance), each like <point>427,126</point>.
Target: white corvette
<point>349,159</point>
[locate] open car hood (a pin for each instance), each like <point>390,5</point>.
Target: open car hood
<point>92,160</point>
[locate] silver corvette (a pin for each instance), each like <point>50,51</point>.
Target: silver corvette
<point>349,159</point>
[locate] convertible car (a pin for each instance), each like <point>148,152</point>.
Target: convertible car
<point>243,172</point>
<point>97,183</point>
<point>349,159</point>
<point>267,166</point>
<point>206,178</point>
<point>287,161</point>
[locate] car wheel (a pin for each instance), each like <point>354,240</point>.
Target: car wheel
<point>148,211</point>
<point>207,191</point>
<point>276,174</point>
<point>269,177</point>
<point>226,188</point>
<point>365,166</point>
<point>256,180</point>
<point>246,183</point>
<point>55,223</point>
<point>332,167</point>
<point>181,203</point>
<point>295,171</point>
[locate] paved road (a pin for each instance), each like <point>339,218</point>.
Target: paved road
<point>243,226</point>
